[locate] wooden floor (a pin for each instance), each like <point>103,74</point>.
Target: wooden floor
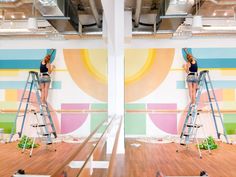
<point>147,159</point>
<point>143,161</point>
<point>43,161</point>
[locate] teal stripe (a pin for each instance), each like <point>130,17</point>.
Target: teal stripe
<point>19,64</point>
<point>217,63</point>
<point>23,59</point>
<point>214,53</point>
<point>216,84</point>
<point>21,84</point>
<point>22,54</point>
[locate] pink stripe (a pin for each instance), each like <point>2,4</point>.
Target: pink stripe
<point>68,106</point>
<point>169,106</point>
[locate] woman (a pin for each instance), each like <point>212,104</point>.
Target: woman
<point>45,70</point>
<point>191,69</point>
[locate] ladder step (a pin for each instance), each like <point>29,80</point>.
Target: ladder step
<point>195,126</point>
<point>40,125</point>
<point>186,134</point>
<point>46,134</point>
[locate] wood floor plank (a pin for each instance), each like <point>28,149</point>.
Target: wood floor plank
<point>143,161</point>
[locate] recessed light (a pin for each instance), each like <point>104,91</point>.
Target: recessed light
<point>23,16</point>
<point>214,14</point>
<point>225,14</point>
<point>13,16</point>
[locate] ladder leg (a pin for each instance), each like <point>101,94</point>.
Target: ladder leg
<point>198,147</point>
<point>32,147</point>
<point>24,146</point>
<point>205,136</point>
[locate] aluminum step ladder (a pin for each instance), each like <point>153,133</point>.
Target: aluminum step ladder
<point>190,127</point>
<point>46,123</point>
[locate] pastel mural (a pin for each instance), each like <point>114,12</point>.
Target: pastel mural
<point>155,90</point>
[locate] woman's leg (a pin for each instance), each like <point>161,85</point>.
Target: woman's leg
<point>47,84</point>
<point>194,89</point>
<point>42,85</point>
<point>190,88</point>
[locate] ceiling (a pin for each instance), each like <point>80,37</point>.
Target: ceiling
<point>65,17</point>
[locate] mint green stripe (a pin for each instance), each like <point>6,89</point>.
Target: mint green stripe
<point>9,117</point>
<point>22,54</point>
<point>137,106</point>
<point>135,124</point>
<point>96,119</point>
<point>101,106</point>
<point>21,84</point>
<point>216,84</point>
<point>230,118</point>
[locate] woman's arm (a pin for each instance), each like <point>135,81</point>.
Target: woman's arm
<point>50,68</point>
<point>186,67</point>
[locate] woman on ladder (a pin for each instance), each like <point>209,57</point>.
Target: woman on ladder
<point>191,69</point>
<point>45,70</point>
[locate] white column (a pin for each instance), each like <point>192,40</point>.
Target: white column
<point>114,19</point>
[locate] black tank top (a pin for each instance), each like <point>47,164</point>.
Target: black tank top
<point>43,68</point>
<point>193,68</point>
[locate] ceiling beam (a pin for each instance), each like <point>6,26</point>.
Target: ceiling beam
<point>95,13</point>
<point>137,12</point>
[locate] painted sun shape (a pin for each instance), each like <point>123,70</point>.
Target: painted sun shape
<point>143,67</point>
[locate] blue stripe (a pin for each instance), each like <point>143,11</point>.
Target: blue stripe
<point>216,63</point>
<point>23,54</point>
<point>214,53</point>
<point>216,84</point>
<point>21,84</point>
<point>23,58</point>
<point>20,64</point>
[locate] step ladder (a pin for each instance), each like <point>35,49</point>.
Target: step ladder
<point>45,123</point>
<point>190,127</point>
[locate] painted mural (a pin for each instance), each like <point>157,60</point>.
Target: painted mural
<point>155,90</point>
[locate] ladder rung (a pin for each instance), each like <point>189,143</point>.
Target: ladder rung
<point>38,125</point>
<point>46,134</point>
<point>195,126</point>
<point>44,115</point>
<point>186,134</point>
<point>21,115</point>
